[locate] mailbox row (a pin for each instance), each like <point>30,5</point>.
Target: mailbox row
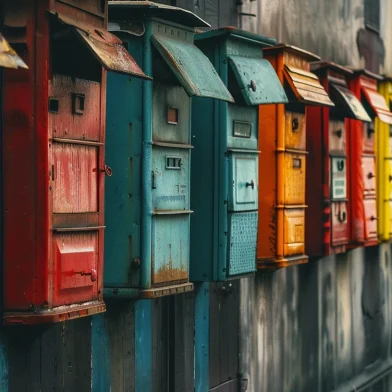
<point>219,149</point>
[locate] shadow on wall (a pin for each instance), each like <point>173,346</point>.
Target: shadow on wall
<point>318,327</point>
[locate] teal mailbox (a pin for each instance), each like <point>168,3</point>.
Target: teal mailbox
<point>224,174</point>
<point>147,206</point>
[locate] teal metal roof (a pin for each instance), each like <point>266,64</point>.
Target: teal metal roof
<point>233,32</point>
<point>192,68</point>
<point>257,80</point>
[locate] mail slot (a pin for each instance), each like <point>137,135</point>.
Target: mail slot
<point>369,220</point>
<point>284,161</point>
<point>383,129</point>
<point>328,162</point>
<point>149,143</point>
<point>225,180</point>
<point>53,197</point>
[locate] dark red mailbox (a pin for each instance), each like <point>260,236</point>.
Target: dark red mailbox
<point>53,157</point>
<point>327,193</point>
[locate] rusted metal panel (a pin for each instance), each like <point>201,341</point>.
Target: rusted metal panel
<point>106,47</point>
<point>74,178</point>
<point>170,249</point>
<point>306,86</point>
<point>192,68</point>
<point>376,101</point>
<point>91,6</point>
<point>8,57</point>
<point>73,106</point>
<point>346,100</point>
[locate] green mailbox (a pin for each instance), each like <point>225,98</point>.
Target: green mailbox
<point>224,177</point>
<point>147,206</point>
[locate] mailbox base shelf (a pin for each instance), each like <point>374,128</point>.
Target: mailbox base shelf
<point>55,315</point>
<point>132,293</point>
<point>281,263</point>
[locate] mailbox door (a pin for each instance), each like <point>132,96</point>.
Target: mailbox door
<point>242,244</point>
<point>295,130</point>
<point>243,192</point>
<point>170,184</point>
<point>370,219</point>
<point>368,174</point>
<point>368,137</point>
<point>294,184</point>
<point>294,232</point>
<point>75,160</point>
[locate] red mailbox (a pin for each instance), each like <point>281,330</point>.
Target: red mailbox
<point>327,192</point>
<point>53,157</point>
<point>362,162</point>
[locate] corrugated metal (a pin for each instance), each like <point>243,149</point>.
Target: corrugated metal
<point>107,48</point>
<point>345,100</point>
<point>306,87</point>
<point>257,80</point>
<point>192,68</point>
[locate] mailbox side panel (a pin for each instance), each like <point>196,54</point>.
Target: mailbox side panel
<point>123,155</point>
<point>317,228</point>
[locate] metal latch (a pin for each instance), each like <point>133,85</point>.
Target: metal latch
<point>93,274</point>
<point>251,183</point>
<point>107,170</point>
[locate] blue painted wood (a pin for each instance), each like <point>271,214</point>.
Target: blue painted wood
<point>202,337</point>
<point>100,355</point>
<point>3,368</point>
<point>143,346</point>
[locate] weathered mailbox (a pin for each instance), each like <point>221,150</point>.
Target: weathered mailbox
<point>53,193</point>
<point>225,180</point>
<point>148,147</point>
<point>327,188</point>
<point>282,162</point>
<point>362,160</point>
<point>384,164</point>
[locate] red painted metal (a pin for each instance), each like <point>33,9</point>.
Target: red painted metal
<point>327,217</point>
<point>362,168</point>
<point>53,162</point>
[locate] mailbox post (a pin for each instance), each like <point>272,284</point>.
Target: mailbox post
<point>53,158</point>
<point>327,192</point>
<point>225,180</point>
<point>362,163</point>
<point>384,165</point>
<point>282,163</point>
<point>149,148</point>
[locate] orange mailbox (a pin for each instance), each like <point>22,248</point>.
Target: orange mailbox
<point>327,191</point>
<point>362,162</point>
<point>282,162</point>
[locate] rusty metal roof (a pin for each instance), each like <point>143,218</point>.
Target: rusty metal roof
<point>306,87</point>
<point>106,47</point>
<point>142,9</point>
<point>192,68</point>
<point>8,57</point>
<point>348,103</point>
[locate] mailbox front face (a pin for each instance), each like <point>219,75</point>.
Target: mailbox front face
<point>384,167</point>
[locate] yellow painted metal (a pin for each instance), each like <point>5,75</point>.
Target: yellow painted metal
<point>384,167</point>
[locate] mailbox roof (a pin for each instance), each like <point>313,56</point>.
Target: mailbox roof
<point>142,9</point>
<point>105,47</point>
<point>257,80</point>
<point>346,102</point>
<point>377,103</point>
<point>192,68</point>
<point>233,32</point>
<point>8,57</point>
<point>309,56</point>
<point>316,66</point>
<point>306,87</point>
<point>365,72</point>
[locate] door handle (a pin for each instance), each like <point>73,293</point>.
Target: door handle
<point>295,124</point>
<point>93,274</point>
<point>107,170</point>
<point>338,133</point>
<point>370,131</point>
<point>251,183</point>
<point>373,218</point>
<point>342,216</point>
<point>370,176</point>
